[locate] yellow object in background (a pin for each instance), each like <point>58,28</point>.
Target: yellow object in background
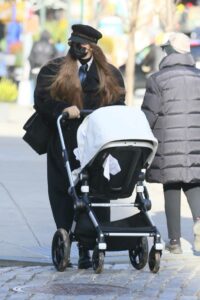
<point>8,90</point>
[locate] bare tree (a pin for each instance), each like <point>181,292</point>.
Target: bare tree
<point>167,13</point>
<point>166,10</point>
<point>130,64</point>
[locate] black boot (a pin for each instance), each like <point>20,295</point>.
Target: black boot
<point>84,261</point>
<point>69,263</point>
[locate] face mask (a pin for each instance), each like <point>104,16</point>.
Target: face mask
<point>77,51</point>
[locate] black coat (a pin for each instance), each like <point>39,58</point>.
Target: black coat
<point>51,109</point>
<point>172,107</point>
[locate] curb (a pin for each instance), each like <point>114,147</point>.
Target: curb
<point>109,259</point>
<point>22,263</point>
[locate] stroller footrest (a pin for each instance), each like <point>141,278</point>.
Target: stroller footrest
<point>128,230</point>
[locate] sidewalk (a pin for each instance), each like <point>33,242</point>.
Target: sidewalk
<point>12,118</point>
<point>178,279</point>
<point>27,228</point>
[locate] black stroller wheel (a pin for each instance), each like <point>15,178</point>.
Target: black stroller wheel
<point>139,255</point>
<point>60,250</point>
<point>97,260</point>
<point>154,260</point>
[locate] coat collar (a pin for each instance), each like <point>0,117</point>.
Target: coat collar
<point>92,79</point>
<point>177,59</point>
<point>89,63</point>
<point>92,72</point>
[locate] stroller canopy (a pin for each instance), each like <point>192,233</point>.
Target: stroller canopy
<point>109,124</point>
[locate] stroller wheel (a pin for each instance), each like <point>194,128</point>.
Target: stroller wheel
<point>97,260</point>
<point>60,249</point>
<point>139,255</point>
<point>154,260</point>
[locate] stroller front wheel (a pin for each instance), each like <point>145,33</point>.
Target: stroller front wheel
<point>154,260</point>
<point>97,260</point>
<point>139,255</point>
<point>60,250</point>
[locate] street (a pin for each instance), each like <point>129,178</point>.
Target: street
<point>178,279</point>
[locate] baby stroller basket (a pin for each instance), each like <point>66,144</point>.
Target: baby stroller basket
<point>112,155</point>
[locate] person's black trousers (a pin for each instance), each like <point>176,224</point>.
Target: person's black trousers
<point>172,196</point>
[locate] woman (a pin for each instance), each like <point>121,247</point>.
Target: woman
<point>81,79</point>
<point>172,107</point>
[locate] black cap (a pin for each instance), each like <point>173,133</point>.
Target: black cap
<point>84,34</point>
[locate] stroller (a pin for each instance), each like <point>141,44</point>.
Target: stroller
<point>115,146</point>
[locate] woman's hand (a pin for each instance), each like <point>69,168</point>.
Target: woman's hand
<point>73,112</point>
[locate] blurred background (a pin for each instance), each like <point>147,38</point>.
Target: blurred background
<point>132,32</point>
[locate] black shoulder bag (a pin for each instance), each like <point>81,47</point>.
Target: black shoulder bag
<point>37,133</point>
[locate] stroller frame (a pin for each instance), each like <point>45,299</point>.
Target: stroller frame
<point>139,255</point>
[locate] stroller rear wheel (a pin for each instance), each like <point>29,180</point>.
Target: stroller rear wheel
<point>60,250</point>
<point>97,260</point>
<point>139,255</point>
<point>154,260</point>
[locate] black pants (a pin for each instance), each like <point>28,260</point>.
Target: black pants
<point>58,184</point>
<point>172,195</point>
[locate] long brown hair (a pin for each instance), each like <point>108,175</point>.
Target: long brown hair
<point>66,84</point>
<point>109,89</point>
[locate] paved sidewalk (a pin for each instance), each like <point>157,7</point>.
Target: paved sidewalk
<point>27,227</point>
<point>178,279</point>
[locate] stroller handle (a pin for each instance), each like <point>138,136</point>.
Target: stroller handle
<point>62,118</point>
<point>83,112</point>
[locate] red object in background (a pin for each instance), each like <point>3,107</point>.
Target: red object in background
<point>15,47</point>
<point>189,4</point>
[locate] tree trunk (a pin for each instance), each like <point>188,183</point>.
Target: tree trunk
<point>170,9</point>
<point>130,64</point>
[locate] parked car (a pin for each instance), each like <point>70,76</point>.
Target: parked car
<point>195,34</point>
<point>195,50</point>
<point>146,62</point>
<point>148,59</point>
